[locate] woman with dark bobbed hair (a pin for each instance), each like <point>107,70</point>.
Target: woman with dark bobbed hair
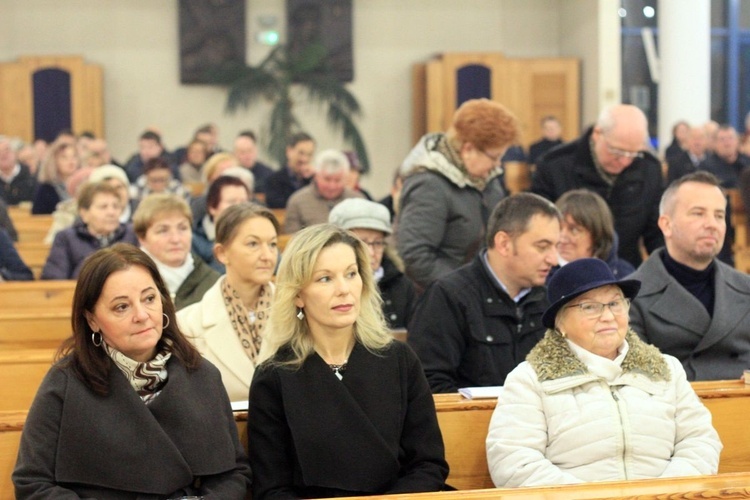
<point>450,188</point>
<point>588,230</point>
<point>130,409</point>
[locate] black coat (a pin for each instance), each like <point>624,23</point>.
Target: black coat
<point>78,444</point>
<point>398,295</point>
<point>468,332</point>
<point>375,431</point>
<point>680,165</point>
<point>280,185</point>
<point>22,188</point>
<point>634,197</point>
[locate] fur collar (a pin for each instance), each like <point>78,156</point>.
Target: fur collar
<point>553,359</point>
<point>434,153</point>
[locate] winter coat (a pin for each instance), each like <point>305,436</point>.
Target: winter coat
<point>398,294</point>
<point>665,314</point>
<point>197,283</point>
<point>443,212</point>
<point>73,245</point>
<point>468,332</point>
<point>556,422</point>
<point>78,444</point>
<point>207,325</point>
<point>634,197</point>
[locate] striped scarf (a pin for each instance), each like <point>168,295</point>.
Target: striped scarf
<point>146,378</point>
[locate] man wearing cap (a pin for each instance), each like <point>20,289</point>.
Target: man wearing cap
<point>474,325</point>
<point>691,305</point>
<point>371,222</point>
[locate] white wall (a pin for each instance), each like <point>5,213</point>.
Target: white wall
<point>136,41</point>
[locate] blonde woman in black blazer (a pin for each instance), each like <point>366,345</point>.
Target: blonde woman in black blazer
<point>338,408</point>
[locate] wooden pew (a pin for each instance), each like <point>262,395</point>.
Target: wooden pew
<point>464,426</point>
<point>34,255</point>
<point>280,214</point>
<point>688,488</point>
<point>22,371</point>
<point>16,295</point>
<point>34,328</point>
<point>33,229</point>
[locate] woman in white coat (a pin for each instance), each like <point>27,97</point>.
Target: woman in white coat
<point>227,325</point>
<point>592,402</point>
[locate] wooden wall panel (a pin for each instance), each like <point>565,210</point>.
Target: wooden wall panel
<point>531,88</point>
<point>17,118</point>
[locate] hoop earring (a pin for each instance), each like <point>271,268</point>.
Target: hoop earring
<point>300,314</point>
<point>94,341</point>
<point>167,318</point>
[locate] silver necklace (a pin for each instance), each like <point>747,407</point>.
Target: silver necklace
<point>337,369</point>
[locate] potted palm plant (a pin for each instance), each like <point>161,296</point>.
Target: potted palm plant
<point>281,78</point>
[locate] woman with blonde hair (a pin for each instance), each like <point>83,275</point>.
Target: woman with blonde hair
<point>60,163</point>
<point>228,323</point>
<point>330,363</point>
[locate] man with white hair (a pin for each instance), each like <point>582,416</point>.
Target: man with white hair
<point>610,160</point>
<point>17,184</point>
<point>313,203</point>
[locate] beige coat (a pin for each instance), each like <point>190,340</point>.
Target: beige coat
<point>206,324</point>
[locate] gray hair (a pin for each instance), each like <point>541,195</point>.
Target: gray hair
<point>331,161</point>
<point>243,174</point>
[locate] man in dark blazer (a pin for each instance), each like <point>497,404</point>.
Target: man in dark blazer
<point>474,325</point>
<point>691,305</point>
<point>609,159</point>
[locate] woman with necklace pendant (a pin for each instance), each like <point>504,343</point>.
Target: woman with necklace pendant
<point>331,363</point>
<point>227,324</point>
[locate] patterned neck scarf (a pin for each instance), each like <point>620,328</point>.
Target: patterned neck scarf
<point>248,324</point>
<point>147,378</point>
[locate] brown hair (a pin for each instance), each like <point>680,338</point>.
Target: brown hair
<point>90,363</point>
<point>513,214</point>
<point>90,190</point>
<point>484,123</point>
<point>589,210</point>
<point>157,204</point>
<point>230,219</point>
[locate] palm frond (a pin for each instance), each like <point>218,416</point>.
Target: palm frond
<point>326,88</point>
<point>340,120</point>
<point>283,122</point>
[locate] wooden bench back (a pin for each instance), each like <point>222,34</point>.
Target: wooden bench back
<point>464,426</point>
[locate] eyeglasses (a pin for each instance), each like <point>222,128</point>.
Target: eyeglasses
<point>592,310</point>
<point>377,245</point>
<point>622,153</point>
<point>495,159</point>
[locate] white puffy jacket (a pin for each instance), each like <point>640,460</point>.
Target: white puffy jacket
<point>557,423</point>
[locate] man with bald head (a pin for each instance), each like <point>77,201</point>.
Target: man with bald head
<point>610,160</point>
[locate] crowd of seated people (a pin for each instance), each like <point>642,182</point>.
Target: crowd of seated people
<point>491,288</point>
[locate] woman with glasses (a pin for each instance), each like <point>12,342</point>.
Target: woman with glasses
<point>450,188</point>
<point>371,223</point>
<point>592,402</point>
<point>587,230</point>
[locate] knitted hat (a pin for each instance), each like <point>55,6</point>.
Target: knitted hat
<point>577,278</point>
<point>358,213</point>
<point>109,172</point>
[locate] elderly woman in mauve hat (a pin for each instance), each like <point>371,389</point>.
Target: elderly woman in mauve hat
<point>592,402</point>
